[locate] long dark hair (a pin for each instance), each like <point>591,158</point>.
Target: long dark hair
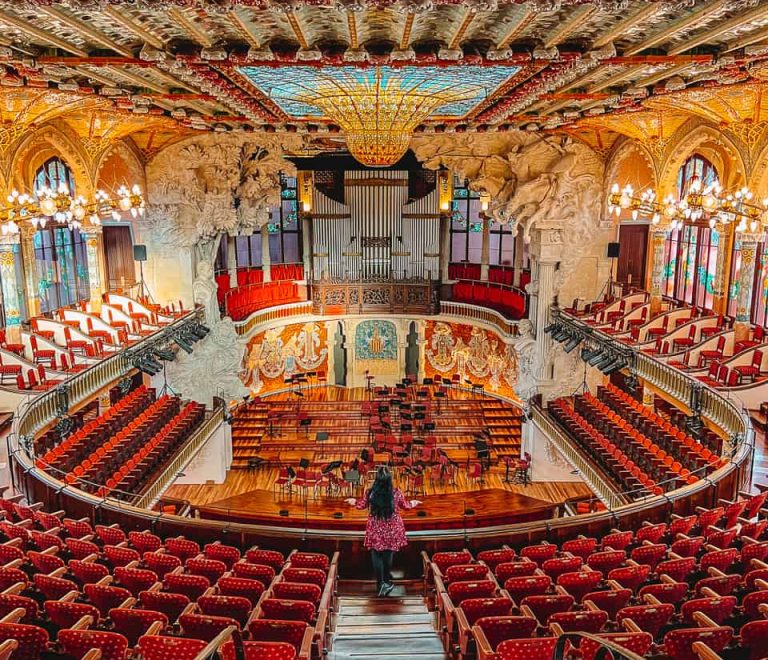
<point>381,499</point>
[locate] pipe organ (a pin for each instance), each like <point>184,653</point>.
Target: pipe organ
<point>376,233</point>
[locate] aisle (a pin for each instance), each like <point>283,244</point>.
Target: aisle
<point>396,627</point>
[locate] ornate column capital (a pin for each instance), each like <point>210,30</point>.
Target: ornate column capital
<point>547,244</point>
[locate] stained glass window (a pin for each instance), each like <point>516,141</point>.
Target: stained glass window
<point>284,234</point>
<point>467,231</point>
<point>690,253</point>
<point>61,255</point>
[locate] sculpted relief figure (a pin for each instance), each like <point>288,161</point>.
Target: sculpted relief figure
<point>214,184</point>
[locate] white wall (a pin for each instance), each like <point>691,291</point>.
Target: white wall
<point>211,463</point>
<point>547,464</point>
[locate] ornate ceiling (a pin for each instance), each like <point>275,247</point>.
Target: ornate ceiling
<point>595,70</point>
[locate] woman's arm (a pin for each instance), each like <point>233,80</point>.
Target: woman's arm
<point>402,503</point>
<point>362,503</point>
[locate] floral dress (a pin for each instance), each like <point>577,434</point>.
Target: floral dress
<point>385,534</point>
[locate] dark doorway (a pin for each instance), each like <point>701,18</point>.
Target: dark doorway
<point>339,356</point>
<point>118,257</point>
<point>412,351</point>
<point>633,241</point>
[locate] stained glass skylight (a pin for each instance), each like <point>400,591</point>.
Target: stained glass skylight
<point>462,86</point>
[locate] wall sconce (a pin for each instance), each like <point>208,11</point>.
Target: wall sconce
<point>445,206</point>
<point>306,207</point>
<point>485,201</point>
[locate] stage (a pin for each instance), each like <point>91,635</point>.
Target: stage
<point>481,508</point>
<point>268,436</point>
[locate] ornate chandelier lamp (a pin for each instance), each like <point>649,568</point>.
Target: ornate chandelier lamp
<point>61,206</point>
<point>379,111</point>
<point>709,203</point>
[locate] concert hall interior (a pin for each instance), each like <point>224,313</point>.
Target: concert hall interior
<point>374,329</point>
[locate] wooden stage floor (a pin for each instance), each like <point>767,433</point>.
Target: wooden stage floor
<point>480,508</point>
<point>247,495</point>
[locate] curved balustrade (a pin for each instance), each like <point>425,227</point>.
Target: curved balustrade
<point>723,483</point>
<point>510,300</point>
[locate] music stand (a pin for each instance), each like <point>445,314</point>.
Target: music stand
<point>304,423</point>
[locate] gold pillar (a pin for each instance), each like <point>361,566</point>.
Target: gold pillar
<point>658,236</point>
<point>30,271</point>
<point>444,202</point>
<point>746,280</point>
<point>722,275</point>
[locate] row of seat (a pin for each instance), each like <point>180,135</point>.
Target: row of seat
<point>247,276</point>
<point>665,590</point>
<point>497,274</point>
<point>613,460</point>
<point>96,587</point>
<point>668,433</point>
<point>155,454</point>
<point>241,303</point>
<point>67,453</point>
<point>510,301</point>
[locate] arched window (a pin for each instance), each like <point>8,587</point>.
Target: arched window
<point>53,173</point>
<point>695,166</point>
<point>691,251</point>
<point>61,257</point>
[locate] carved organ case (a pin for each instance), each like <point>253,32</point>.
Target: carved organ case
<point>375,224</point>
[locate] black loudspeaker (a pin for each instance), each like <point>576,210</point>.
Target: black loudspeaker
<point>613,250</point>
<point>139,252</point>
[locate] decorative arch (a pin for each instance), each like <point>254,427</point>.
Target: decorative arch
<point>758,180</point>
<point>51,140</point>
<point>645,176</point>
<point>698,137</point>
<point>125,153</point>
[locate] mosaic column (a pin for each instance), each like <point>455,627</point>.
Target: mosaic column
<point>30,272</point>
<point>485,252</point>
<point>724,251</point>
<point>658,236</point>
<point>232,260</point>
<point>12,286</point>
<point>266,260</point>
<point>648,398</point>
<point>306,245</point>
<point>94,271</point>
<point>746,279</point>
<point>519,259</point>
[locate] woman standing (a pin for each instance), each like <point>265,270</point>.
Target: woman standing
<point>384,530</point>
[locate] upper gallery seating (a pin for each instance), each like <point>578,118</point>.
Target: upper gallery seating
<point>691,339</point>
<point>56,348</point>
<point>241,303</point>
<point>497,274</point>
<point>637,448</point>
<point>246,276</point>
<point>69,587</point>
<point>498,292</point>
<point>657,590</point>
<point>124,447</point>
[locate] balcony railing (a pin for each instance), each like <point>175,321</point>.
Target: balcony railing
<point>44,409</point>
<point>698,397</point>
